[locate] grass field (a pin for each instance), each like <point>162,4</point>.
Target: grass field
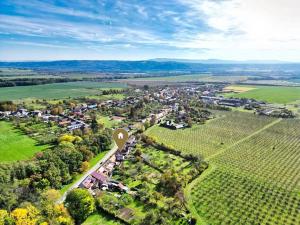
<point>238,89</point>
<point>194,77</point>
<point>14,145</point>
<point>253,179</point>
<point>100,219</point>
<point>106,120</point>
<point>107,97</point>
<point>56,91</point>
<point>270,94</point>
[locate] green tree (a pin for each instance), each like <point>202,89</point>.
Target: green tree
<point>94,124</point>
<point>80,204</point>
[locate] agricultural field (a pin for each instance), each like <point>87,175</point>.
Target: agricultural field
<point>212,137</point>
<point>253,179</point>
<point>107,97</point>
<point>238,89</point>
<point>56,91</point>
<point>226,197</point>
<point>272,155</point>
<point>9,72</point>
<point>15,145</point>
<point>270,94</point>
<point>194,77</point>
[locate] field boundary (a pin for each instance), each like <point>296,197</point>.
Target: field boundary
<point>188,193</point>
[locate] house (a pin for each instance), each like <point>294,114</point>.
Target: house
<point>118,118</point>
<point>5,114</point>
<point>122,187</point>
<point>174,126</point>
<point>131,142</point>
<point>75,125</point>
<point>37,113</point>
<point>100,178</point>
<point>21,113</point>
<point>94,106</point>
<point>64,122</point>
<point>49,117</point>
<point>88,182</point>
<point>119,156</point>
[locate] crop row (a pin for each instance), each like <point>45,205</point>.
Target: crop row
<point>225,197</point>
<point>210,138</point>
<point>272,155</point>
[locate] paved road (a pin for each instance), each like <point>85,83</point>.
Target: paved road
<point>95,167</point>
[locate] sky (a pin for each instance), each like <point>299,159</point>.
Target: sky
<point>147,29</point>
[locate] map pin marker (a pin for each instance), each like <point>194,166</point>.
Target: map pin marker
<point>120,136</point>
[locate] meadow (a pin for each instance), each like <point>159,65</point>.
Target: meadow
<point>252,179</point>
<point>101,219</point>
<point>15,145</point>
<point>56,91</point>
<point>271,94</point>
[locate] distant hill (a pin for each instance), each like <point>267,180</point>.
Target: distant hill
<point>157,65</point>
<point>220,61</point>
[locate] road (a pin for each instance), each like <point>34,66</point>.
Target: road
<point>111,152</point>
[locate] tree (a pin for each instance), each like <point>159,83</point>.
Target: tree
<point>153,120</point>
<point>103,142</point>
<point>94,124</point>
<point>84,166</point>
<point>146,124</point>
<point>189,122</point>
<point>169,183</point>
<point>55,213</point>
<point>150,218</point>
<point>4,217</point>
<point>28,216</point>
<point>80,204</point>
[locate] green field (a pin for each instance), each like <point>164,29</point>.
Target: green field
<point>107,97</point>
<point>270,94</point>
<point>99,219</point>
<point>194,77</point>
<point>56,91</point>
<point>254,178</point>
<point>14,145</point>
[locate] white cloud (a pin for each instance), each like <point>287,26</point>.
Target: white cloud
<point>242,25</point>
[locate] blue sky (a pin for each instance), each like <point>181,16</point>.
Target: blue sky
<point>144,29</point>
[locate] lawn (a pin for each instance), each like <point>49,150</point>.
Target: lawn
<point>107,121</point>
<point>101,219</point>
<point>271,94</point>
<point>15,145</point>
<point>56,91</point>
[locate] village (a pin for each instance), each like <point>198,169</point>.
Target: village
<point>163,100</point>
<point>74,126</point>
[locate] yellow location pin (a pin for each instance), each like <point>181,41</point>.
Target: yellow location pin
<point>120,136</point>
